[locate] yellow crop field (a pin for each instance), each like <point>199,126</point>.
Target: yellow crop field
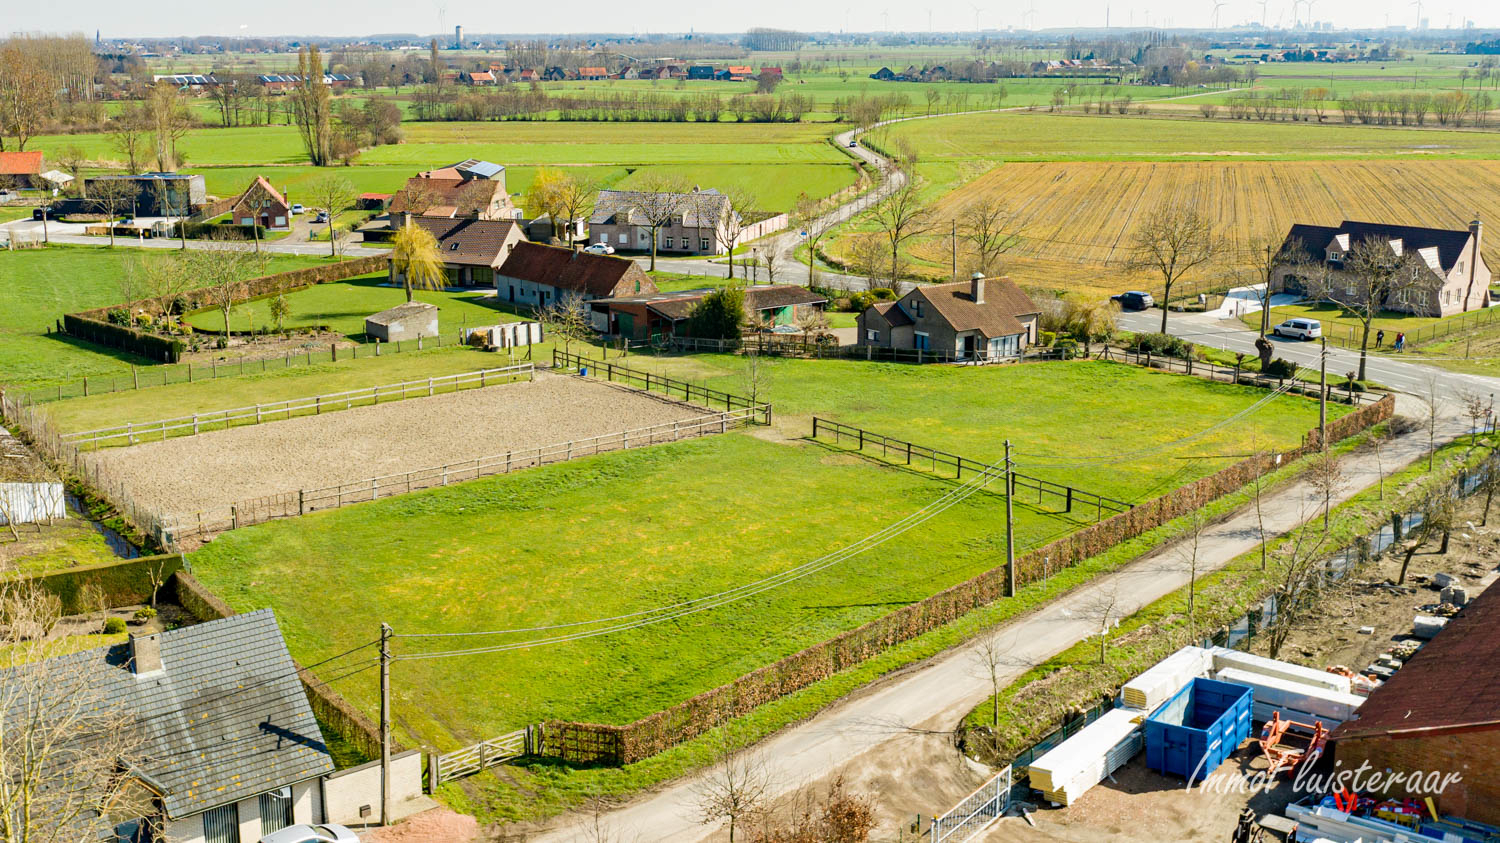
<point>1079,217</point>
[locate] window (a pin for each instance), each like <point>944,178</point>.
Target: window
<point>703,245</point>
<point>666,243</point>
<point>916,309</point>
<point>919,339</point>
<point>1336,257</point>
<point>452,247</point>
<point>1351,288</point>
<point>275,810</point>
<point>221,825</point>
<point>872,335</point>
<point>1460,266</point>
<point>623,239</point>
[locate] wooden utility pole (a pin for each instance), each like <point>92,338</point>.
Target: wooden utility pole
<point>1010,529</point>
<point>1323,395</point>
<point>954,238</point>
<point>385,723</point>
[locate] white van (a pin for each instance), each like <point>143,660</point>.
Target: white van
<point>1299,329</point>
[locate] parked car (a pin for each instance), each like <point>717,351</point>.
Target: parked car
<point>1299,329</point>
<point>1134,300</point>
<point>298,209</point>
<point>599,249</point>
<point>325,833</point>
<point>321,217</point>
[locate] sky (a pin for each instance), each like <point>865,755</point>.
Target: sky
<point>269,18</point>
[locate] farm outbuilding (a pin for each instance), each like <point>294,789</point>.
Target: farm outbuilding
<point>403,322</point>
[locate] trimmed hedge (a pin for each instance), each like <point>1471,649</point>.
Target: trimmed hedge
<point>100,332</point>
<point>124,583</point>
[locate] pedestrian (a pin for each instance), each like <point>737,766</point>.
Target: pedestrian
<point>1401,341</point>
<point>1379,338</point>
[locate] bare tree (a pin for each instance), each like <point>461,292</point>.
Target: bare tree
<point>659,199</point>
<point>223,267</point>
<point>169,122</point>
<point>575,202</point>
<point>1379,437</point>
<point>814,224</point>
<point>1475,409</point>
<point>901,216</point>
<point>1326,475</point>
<point>757,375</point>
<point>1374,276</point>
<point>334,194</point>
<point>128,136</point>
<point>734,789</point>
<point>773,265</point>
<point>110,198</point>
<point>736,219</point>
<point>1432,395</point>
<point>27,94</point>
<point>991,656</point>
<point>839,816</point>
<point>990,229</point>
<point>1263,257</point>
<point>1188,552</point>
<point>1172,241</point>
<point>567,317</point>
<point>1489,483</point>
<point>63,742</point>
<point>1439,517</point>
<point>1104,609</point>
<point>1298,566</point>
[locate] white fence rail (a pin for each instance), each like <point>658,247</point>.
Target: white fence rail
<point>477,757</point>
<point>975,813</point>
<point>135,432</point>
<point>291,504</point>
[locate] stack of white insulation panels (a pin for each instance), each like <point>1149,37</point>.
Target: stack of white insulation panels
<point>1293,700</point>
<point>1082,761</point>
<point>1167,677</point>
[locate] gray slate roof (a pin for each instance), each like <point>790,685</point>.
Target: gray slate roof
<point>225,719</point>
<point>1315,239</point>
<point>699,209</point>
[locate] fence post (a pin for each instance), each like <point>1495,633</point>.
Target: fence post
<point>1070,500</point>
<point>433,775</point>
<point>234,517</point>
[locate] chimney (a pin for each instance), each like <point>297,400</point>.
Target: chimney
<point>1476,228</point>
<point>145,654</point>
<point>976,287</point>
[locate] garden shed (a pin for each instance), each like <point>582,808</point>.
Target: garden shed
<point>403,322</point>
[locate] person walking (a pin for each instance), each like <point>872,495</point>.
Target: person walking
<point>1401,341</point>
<point>1379,338</point>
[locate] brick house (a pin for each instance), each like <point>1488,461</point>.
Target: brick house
<point>479,78</point>
<point>479,199</point>
<point>697,228</point>
<point>472,250</point>
<point>1453,275</point>
<point>262,205</point>
<point>1439,712</point>
<point>979,320</point>
<point>21,169</point>
<point>593,74</point>
<point>538,276</point>
<point>641,317</point>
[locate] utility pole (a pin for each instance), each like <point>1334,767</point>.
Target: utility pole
<point>385,723</point>
<point>1323,395</point>
<point>1010,529</point>
<point>954,237</point>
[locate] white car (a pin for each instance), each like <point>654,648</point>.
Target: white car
<point>599,249</point>
<point>1299,329</point>
<point>298,209</point>
<point>325,833</point>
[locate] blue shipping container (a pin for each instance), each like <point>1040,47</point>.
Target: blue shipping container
<point>1191,734</point>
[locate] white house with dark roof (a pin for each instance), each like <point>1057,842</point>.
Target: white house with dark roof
<point>699,224</point>
<point>982,319</point>
<point>230,749</point>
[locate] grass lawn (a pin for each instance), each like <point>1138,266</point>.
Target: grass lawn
<point>65,543</point>
<point>676,521</point>
<point>1337,325</point>
<point>136,405</point>
<point>343,306</point>
<point>43,284</point>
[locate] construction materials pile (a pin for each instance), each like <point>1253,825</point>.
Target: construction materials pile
<point>1381,821</point>
<point>1084,760</point>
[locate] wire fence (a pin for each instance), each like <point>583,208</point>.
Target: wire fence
<point>1234,374</point>
<point>1349,336</point>
<point>178,527</point>
<point>649,381</point>
<point>135,432</point>
<point>802,346</point>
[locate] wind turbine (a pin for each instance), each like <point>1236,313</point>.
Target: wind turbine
<point>1309,12</point>
<point>1218,4</point>
<point>976,17</point>
<point>1418,4</point>
<point>1263,13</point>
<point>1031,14</point>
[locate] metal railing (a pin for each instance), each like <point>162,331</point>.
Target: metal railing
<point>477,757</point>
<point>1234,374</point>
<point>192,425</point>
<point>975,813</point>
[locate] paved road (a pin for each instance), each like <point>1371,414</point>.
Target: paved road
<point>72,234</point>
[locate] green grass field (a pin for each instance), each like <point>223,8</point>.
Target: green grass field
<point>1343,327</point>
<point>43,284</point>
<point>343,306</point>
<point>623,532</point>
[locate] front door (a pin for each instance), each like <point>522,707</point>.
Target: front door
<point>625,325</point>
<point>968,347</point>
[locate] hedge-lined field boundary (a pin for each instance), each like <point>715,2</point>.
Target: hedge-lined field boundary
<point>123,583</point>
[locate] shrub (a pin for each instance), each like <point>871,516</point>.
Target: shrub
<point>1046,338</point>
<point>1281,368</point>
<point>1069,347</point>
<point>145,613</point>
<point>220,342</point>
<point>179,305</point>
<point>114,626</point>
<point>860,302</point>
<point>884,294</point>
<point>1161,344</point>
<point>1402,425</point>
<point>118,316</point>
<point>720,315</point>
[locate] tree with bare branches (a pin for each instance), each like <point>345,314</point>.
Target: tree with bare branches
<point>128,136</point>
<point>900,216</point>
<point>223,267</point>
<point>659,199</point>
<point>1326,476</point>
<point>866,256</point>
<point>734,788</point>
<point>566,317</point>
<point>1172,241</point>
<point>814,224</point>
<point>990,657</point>
<point>333,194</point>
<point>110,198</point>
<point>1374,276</point>
<point>737,219</point>
<point>1103,607</point>
<point>1298,568</point>
<point>990,228</point>
<point>1189,553</point>
<point>1439,516</point>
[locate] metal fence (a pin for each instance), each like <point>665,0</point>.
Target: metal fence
<point>975,813</point>
<point>912,454</point>
<point>477,757</point>
<point>134,432</point>
<point>649,381</point>
<point>1233,374</point>
<point>175,528</point>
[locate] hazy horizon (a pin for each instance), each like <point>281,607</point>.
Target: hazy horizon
<point>286,19</point>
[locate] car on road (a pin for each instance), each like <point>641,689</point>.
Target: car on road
<point>1134,300</point>
<point>853,144</point>
<point>298,209</point>
<point>599,249</point>
<point>1299,329</point>
<point>325,833</point>
<point>321,217</point>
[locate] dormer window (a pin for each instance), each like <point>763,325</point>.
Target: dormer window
<point>452,247</point>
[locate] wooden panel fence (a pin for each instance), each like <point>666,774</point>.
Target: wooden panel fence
<point>177,527</point>
<point>132,433</point>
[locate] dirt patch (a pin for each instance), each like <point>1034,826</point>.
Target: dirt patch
<point>438,825</point>
<point>261,348</point>
<point>215,469</point>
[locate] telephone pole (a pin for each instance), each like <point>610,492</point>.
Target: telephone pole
<point>1010,529</point>
<point>1323,395</point>
<point>954,274</point>
<point>385,723</point>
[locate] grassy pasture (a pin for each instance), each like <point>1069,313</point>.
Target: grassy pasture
<point>43,284</point>
<point>626,531</point>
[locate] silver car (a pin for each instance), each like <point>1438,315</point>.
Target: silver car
<point>325,833</point>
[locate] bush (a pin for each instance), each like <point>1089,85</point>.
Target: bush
<point>1354,386</point>
<point>1164,344</point>
<point>1069,347</point>
<point>885,294</point>
<point>1402,425</point>
<point>221,343</point>
<point>118,316</point>
<point>720,315</point>
<point>145,613</point>
<point>114,626</point>
<point>860,302</point>
<point>1046,338</point>
<point>1280,368</point>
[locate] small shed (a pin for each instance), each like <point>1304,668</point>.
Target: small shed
<point>403,322</point>
<point>1200,726</point>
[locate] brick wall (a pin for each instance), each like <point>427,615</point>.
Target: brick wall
<point>1474,754</point>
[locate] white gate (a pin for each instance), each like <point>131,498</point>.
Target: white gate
<point>975,812</point>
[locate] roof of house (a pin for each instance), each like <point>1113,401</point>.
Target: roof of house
<point>260,181</point>
<point>474,168</point>
<point>28,163</point>
<point>699,209</point>
<point>482,76</point>
<point>226,718</point>
<point>380,196</point>
<point>893,315</point>
<point>996,317</point>
<point>1451,683</point>
<point>780,295</point>
<point>592,71</point>
<point>592,275</point>
<point>469,242</point>
<point>57,177</point>
<point>1447,244</point>
<point>401,311</point>
<point>445,197</point>
<point>739,68</point>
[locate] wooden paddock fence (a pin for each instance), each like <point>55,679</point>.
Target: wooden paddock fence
<point>161,430</point>
<point>1234,374</point>
<point>651,382</point>
<point>175,528</point>
<point>912,454</point>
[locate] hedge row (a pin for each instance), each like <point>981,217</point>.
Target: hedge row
<point>93,325</point>
<point>123,583</point>
<point>588,743</point>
